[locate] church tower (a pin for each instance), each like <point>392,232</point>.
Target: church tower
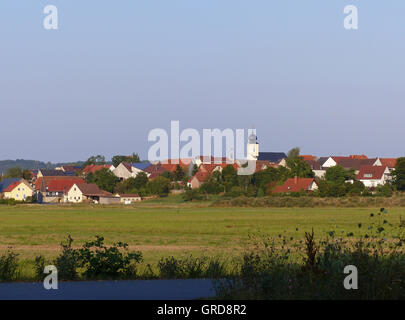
<point>252,149</point>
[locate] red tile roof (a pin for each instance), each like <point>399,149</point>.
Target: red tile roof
<point>92,168</point>
<point>171,164</point>
<point>308,157</point>
<point>294,185</point>
<point>200,176</point>
<point>388,162</point>
<point>205,167</point>
<point>358,156</point>
<point>42,182</point>
<point>12,186</point>
<point>58,185</point>
<point>371,173</point>
<point>264,164</point>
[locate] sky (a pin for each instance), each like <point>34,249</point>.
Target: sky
<point>114,70</point>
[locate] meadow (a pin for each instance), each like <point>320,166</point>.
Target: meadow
<point>169,227</point>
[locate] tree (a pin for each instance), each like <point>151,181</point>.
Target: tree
<point>141,180</point>
<point>17,172</point>
<point>178,174</point>
<point>105,180</point>
<point>230,177</point>
<point>98,159</point>
<point>294,153</point>
<point>336,174</point>
<point>134,158</point>
<point>159,186</point>
<point>399,174</point>
<point>297,165</point>
<point>116,160</point>
<point>195,170</point>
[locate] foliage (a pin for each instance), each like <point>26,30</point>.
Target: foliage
<point>17,172</point>
<point>8,266</point>
<point>100,261</point>
<point>159,186</point>
<point>98,160</point>
<point>116,160</point>
<point>297,166</point>
<point>67,262</point>
<point>269,271</point>
<point>104,178</point>
<point>192,194</point>
<point>399,174</point>
<point>191,267</point>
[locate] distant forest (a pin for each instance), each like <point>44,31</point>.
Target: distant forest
<point>31,164</point>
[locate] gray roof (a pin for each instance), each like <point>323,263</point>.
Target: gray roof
<point>274,157</point>
<point>6,182</point>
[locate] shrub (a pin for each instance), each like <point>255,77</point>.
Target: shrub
<point>100,261</point>
<point>8,266</point>
<point>192,194</point>
<point>67,262</point>
<point>39,266</point>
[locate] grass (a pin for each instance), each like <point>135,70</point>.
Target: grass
<point>164,228</point>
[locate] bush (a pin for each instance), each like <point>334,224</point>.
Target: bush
<point>8,266</point>
<point>39,266</point>
<point>67,262</point>
<point>191,267</point>
<point>192,194</point>
<point>271,271</point>
<point>100,261</point>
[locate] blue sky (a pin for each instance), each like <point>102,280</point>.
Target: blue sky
<point>114,70</point>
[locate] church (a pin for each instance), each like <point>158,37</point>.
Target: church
<point>253,152</point>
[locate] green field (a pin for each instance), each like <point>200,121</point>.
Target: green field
<point>163,228</point>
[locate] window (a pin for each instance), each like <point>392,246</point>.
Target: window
<point>368,175</point>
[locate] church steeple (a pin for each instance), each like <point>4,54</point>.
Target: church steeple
<point>252,149</point>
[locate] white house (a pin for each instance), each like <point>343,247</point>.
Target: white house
<point>373,176</point>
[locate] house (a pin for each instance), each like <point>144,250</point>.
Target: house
<point>52,173</point>
<point>19,190</point>
<point>6,182</point>
<point>41,183</point>
<point>89,192</point>
<point>316,168</point>
<point>128,198</point>
<point>139,167</point>
<point>123,171</point>
<point>297,185</point>
<point>154,170</point>
<point>327,162</point>
<point>55,190</point>
<point>352,162</point>
<point>373,176</point>
<point>389,162</point>
<point>263,165</point>
<point>212,167</point>
<point>197,180</point>
<point>69,169</point>
<point>273,157</point>
<point>210,159</point>
<point>92,168</point>
<point>356,164</point>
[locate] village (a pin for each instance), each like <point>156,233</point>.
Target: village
<point>76,184</point>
